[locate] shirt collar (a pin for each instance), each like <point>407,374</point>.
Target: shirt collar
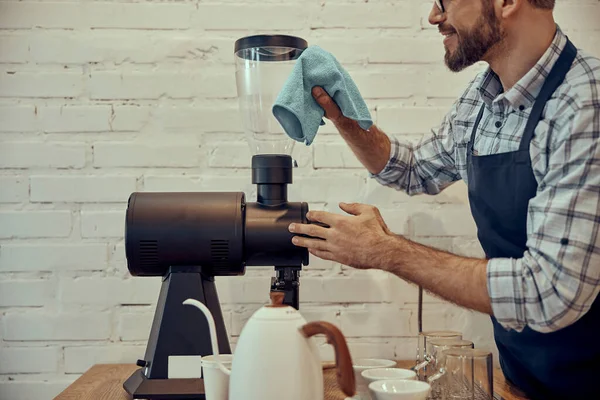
<point>523,94</point>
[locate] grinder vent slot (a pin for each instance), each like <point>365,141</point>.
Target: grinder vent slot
<point>219,253</point>
<point>148,253</point>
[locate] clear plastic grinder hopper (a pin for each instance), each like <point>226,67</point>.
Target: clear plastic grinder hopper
<point>263,64</point>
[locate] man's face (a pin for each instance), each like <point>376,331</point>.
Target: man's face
<point>472,31</point>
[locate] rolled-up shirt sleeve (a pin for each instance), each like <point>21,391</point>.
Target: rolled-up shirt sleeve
<point>558,278</point>
<point>425,167</point>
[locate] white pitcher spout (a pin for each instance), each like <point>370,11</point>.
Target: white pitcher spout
<point>213,331</point>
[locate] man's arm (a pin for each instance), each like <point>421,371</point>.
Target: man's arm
<point>557,280</point>
<point>460,280</point>
<point>363,240</point>
<point>372,147</point>
<point>425,167</point>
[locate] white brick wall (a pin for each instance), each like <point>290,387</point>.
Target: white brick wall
<point>36,82</point>
<point>27,293</point>
<point>18,360</point>
<point>99,99</point>
<point>42,325</point>
<point>79,358</point>
<point>81,189</point>
<point>42,256</point>
<point>35,224</point>
<point>57,155</point>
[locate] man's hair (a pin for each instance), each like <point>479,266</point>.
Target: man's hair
<point>547,4</point>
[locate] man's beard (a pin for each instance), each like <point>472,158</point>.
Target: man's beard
<point>473,45</point>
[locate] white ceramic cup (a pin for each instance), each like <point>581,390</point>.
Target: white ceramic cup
<point>399,389</point>
<point>363,364</point>
<point>380,374</point>
<point>216,383</point>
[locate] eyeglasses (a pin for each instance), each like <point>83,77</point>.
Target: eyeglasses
<point>440,4</point>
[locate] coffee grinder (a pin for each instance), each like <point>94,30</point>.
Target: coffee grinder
<point>190,238</point>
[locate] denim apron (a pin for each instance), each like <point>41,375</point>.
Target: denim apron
<point>559,365</point>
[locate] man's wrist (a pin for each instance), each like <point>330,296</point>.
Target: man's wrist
<point>372,147</point>
<point>401,256</point>
<point>392,254</point>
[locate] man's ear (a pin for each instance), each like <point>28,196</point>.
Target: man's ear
<point>508,8</point>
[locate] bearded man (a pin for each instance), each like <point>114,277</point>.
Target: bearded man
<point>524,137</point>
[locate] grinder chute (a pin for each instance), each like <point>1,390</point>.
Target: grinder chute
<point>189,238</point>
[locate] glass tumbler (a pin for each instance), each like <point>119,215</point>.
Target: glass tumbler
<point>467,374</point>
<point>423,366</point>
<point>437,348</point>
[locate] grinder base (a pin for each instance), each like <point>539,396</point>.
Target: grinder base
<point>140,387</point>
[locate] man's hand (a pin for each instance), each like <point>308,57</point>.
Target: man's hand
<point>357,240</point>
<point>333,112</point>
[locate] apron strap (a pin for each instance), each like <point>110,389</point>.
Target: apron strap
<point>474,132</point>
<point>553,81</point>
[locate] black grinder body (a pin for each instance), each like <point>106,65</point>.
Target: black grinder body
<point>217,231</point>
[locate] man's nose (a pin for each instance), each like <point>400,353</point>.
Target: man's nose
<point>436,16</point>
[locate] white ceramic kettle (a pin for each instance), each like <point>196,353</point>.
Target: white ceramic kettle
<point>275,357</point>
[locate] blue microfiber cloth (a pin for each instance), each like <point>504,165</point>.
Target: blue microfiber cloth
<point>295,107</point>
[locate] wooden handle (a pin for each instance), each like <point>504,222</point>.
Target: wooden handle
<point>328,365</point>
<point>343,360</point>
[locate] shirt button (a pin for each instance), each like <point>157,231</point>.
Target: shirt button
<point>521,107</point>
<point>498,124</point>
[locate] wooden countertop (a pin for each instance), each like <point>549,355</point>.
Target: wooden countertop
<point>105,382</point>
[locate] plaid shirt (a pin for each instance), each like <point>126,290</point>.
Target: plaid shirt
<point>553,285</point>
